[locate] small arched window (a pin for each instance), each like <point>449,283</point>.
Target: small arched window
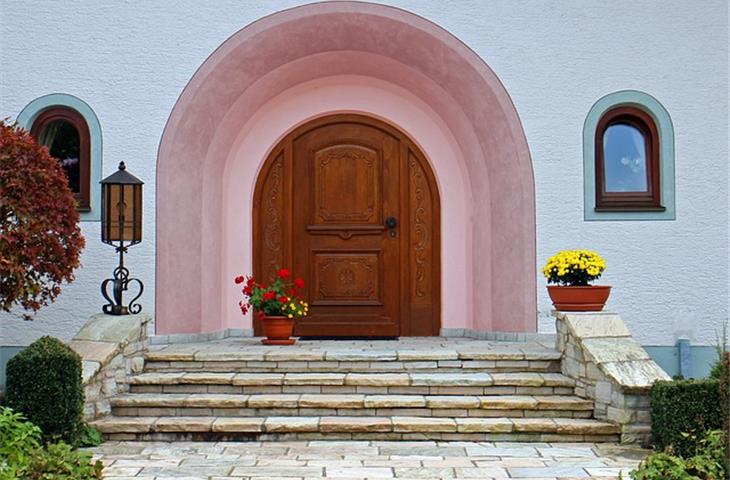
<point>627,161</point>
<point>66,134</point>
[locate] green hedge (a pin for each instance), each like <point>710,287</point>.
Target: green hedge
<point>682,407</point>
<point>44,384</point>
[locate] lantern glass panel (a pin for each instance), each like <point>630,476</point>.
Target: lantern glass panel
<point>125,213</point>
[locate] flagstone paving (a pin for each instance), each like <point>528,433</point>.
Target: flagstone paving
<point>427,460</point>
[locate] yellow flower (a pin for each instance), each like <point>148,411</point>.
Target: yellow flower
<point>574,267</point>
<point>290,316</point>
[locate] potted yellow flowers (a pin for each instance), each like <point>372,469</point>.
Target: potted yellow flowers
<point>571,271</point>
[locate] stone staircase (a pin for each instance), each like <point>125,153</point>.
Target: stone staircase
<point>412,389</point>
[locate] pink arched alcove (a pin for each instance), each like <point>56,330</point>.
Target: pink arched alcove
<point>335,57</point>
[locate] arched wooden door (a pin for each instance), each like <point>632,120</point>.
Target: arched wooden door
<point>350,204</point>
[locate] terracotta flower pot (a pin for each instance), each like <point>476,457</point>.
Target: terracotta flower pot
<point>278,330</point>
<point>589,298</point>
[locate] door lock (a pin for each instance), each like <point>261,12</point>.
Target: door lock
<point>391,223</point>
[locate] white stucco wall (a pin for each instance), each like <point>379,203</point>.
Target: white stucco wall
<point>130,62</point>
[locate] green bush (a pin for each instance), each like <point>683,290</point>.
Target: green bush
<point>44,384</point>
<point>681,410</point>
<point>23,457</point>
<point>707,463</point>
<point>18,440</point>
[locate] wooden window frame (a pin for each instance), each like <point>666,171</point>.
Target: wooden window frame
<point>649,201</point>
<point>83,200</point>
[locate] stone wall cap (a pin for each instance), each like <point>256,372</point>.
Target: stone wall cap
<point>113,328</point>
<point>624,349</point>
<point>636,375</point>
<point>101,352</point>
<point>594,324</point>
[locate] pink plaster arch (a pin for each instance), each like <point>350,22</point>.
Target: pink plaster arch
<point>273,55</point>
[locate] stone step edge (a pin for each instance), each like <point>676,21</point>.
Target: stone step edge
<point>561,426</point>
<point>517,379</point>
<point>352,401</point>
<point>350,356</point>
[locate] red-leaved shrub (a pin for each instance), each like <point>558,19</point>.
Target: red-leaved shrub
<point>40,239</point>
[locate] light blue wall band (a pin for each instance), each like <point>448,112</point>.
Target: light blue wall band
<point>31,111</point>
<point>698,361</point>
<point>666,155</point>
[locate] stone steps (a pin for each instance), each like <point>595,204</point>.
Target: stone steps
<point>334,427</point>
<point>332,357</point>
<point>421,389</point>
<point>528,383</point>
<point>226,405</point>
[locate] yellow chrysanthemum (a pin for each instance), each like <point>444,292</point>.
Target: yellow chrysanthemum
<point>574,267</point>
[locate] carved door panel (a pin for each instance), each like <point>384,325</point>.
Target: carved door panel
<point>321,207</point>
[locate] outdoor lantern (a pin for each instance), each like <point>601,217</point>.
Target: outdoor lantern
<point>121,227</point>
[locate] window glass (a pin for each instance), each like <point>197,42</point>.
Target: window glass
<point>624,154</point>
<point>64,143</point>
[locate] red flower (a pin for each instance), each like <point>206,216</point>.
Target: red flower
<point>284,273</point>
<point>269,295</point>
<point>283,299</point>
<point>299,283</point>
<point>239,279</point>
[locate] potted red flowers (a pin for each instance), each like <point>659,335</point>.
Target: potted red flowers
<point>278,304</point>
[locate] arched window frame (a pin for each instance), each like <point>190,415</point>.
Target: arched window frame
<point>83,200</point>
<point>665,130</point>
<point>30,113</point>
<point>629,201</point>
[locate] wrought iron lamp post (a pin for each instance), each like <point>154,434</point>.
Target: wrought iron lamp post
<point>121,227</point>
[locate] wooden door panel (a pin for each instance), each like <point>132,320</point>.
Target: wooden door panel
<point>320,207</point>
<point>354,169</point>
<point>346,279</point>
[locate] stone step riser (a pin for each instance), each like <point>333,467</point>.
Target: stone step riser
<point>274,437</point>
<point>403,426</point>
<point>444,366</point>
<point>345,389</point>
<point>346,412</point>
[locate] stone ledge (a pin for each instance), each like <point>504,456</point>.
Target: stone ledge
<point>111,348</point>
<point>609,367</point>
<point>119,329</point>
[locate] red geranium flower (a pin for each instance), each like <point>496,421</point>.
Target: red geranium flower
<point>239,279</point>
<point>299,283</point>
<point>284,273</point>
<point>283,299</point>
<point>269,295</point>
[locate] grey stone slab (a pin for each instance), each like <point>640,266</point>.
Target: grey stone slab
<point>602,350</point>
<point>548,472</point>
<point>100,352</point>
<point>451,379</point>
<point>113,328</point>
<point>88,370</point>
<point>595,325</point>
<point>638,375</point>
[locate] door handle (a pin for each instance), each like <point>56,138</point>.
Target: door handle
<point>391,223</point>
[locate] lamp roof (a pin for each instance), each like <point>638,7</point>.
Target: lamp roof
<point>122,176</point>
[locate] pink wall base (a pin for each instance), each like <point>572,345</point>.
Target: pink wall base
<point>280,72</point>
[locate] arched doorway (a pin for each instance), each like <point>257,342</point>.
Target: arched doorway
<point>351,204</point>
<point>293,66</point>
